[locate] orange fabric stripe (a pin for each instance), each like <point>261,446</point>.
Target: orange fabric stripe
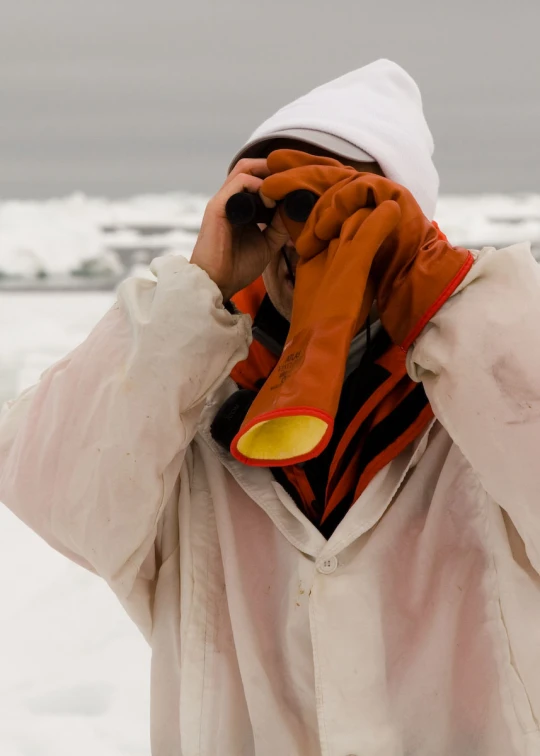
<point>377,464</point>
<point>299,480</point>
<point>260,361</point>
<point>336,490</point>
<point>392,451</point>
<point>346,481</point>
<point>389,403</point>
<point>394,361</point>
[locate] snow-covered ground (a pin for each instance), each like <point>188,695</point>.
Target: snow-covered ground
<point>73,670</point>
<point>85,238</point>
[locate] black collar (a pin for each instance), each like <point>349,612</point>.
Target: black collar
<point>270,328</point>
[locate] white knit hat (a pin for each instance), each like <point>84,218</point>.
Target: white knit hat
<point>373,113</point>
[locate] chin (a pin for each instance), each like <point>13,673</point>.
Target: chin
<point>281,295</point>
<point>283,304</point>
<point>284,309</point>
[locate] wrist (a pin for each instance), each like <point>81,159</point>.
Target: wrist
<point>226,291</point>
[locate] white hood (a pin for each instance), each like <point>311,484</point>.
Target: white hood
<point>377,108</point>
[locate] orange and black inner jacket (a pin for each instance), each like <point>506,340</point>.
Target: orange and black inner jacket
<point>381,411</point>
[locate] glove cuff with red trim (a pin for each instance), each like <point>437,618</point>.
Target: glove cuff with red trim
<point>410,291</point>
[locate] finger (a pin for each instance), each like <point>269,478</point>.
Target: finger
<point>379,224</point>
<point>315,178</point>
<point>283,160</point>
<point>366,190</point>
<point>309,242</point>
<point>267,201</point>
<point>339,206</point>
<point>250,166</point>
<point>239,183</point>
<point>363,234</point>
<point>276,234</point>
<point>352,225</point>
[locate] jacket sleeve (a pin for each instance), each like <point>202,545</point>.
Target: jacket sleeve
<point>90,455</point>
<point>479,361</point>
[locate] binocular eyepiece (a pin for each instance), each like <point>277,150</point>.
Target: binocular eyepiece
<point>244,208</point>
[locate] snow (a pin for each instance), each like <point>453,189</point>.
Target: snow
<point>482,220</point>
<point>107,238</point>
<point>74,669</point>
<point>61,236</point>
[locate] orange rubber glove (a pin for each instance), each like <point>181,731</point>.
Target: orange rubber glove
<point>365,239</point>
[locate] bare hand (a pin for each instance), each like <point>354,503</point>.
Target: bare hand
<point>234,256</point>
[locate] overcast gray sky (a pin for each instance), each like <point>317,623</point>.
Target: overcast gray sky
<point>120,96</point>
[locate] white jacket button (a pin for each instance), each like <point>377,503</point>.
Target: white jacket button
<point>328,565</point>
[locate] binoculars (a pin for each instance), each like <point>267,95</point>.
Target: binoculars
<point>244,208</point>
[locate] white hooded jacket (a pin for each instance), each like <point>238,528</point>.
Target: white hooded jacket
<point>413,631</point>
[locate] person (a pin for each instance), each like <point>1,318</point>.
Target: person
<point>380,597</point>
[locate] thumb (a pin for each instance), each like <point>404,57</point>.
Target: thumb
<point>276,234</point>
